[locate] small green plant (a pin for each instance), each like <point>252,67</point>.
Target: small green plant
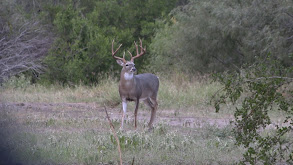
<point>50,122</point>
<point>19,82</point>
<point>131,140</point>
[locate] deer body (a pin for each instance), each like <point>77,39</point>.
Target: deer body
<point>138,87</point>
<point>141,87</point>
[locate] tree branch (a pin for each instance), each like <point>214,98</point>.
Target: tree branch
<point>22,48</point>
<point>272,77</point>
<point>115,135</point>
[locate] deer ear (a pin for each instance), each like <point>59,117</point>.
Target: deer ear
<point>120,62</point>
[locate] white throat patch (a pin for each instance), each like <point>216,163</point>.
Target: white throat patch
<point>128,76</point>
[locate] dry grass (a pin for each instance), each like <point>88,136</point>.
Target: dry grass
<point>67,125</point>
<point>18,90</point>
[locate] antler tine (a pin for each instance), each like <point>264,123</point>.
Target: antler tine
<point>129,53</point>
<point>136,47</point>
<point>142,50</point>
<point>114,52</point>
<point>124,55</point>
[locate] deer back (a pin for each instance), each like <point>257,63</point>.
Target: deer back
<point>148,83</point>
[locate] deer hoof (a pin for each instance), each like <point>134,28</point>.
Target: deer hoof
<point>151,128</point>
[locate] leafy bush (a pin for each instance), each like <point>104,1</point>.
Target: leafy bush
<point>261,88</point>
<point>20,82</point>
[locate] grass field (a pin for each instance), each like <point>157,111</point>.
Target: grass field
<point>67,125</point>
<point>78,134</point>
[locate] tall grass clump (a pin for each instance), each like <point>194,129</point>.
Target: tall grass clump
<point>183,91</point>
<point>56,93</point>
<point>20,89</point>
<point>108,92</point>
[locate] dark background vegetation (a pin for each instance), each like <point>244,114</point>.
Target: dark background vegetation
<point>248,44</point>
<point>69,41</point>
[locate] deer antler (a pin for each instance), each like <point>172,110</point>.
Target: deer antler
<point>114,52</point>
<point>142,51</point>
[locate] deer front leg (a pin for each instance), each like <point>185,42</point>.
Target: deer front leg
<point>135,112</point>
<point>124,107</point>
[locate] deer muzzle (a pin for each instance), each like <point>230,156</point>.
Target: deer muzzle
<point>133,69</point>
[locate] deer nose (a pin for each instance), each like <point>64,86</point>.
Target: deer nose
<point>133,69</point>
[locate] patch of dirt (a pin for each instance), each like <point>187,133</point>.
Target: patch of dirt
<point>94,111</point>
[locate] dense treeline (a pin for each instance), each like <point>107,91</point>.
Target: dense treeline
<point>189,36</point>
<point>85,32</point>
<point>219,35</point>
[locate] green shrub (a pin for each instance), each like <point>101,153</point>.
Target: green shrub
<point>211,36</point>
<point>19,82</point>
<point>259,89</point>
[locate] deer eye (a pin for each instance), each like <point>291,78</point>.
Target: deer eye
<point>126,65</point>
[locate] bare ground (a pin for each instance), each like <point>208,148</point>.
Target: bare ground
<point>92,111</point>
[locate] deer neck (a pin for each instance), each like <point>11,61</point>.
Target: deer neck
<point>127,79</point>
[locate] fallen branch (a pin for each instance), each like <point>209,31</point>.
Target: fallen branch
<point>115,135</point>
<point>133,161</point>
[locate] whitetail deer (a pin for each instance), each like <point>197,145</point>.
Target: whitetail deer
<point>141,87</point>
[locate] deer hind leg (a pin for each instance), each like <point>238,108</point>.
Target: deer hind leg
<point>135,113</point>
<point>152,103</point>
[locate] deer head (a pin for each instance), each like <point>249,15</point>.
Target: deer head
<point>128,66</point>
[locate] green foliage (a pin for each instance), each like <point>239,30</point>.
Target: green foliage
<point>260,88</point>
<point>70,61</point>
<point>82,50</point>
<point>207,35</point>
<point>19,82</point>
